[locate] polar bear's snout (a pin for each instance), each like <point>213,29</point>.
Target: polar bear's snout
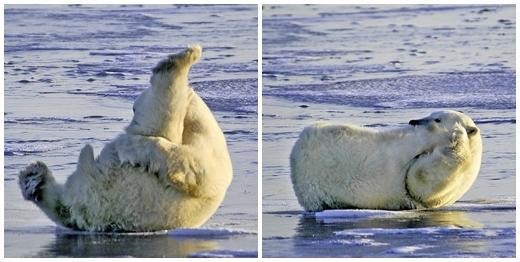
<point>418,122</point>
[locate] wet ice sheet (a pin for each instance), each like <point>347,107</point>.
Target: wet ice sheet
<point>352,214</point>
<point>330,43</point>
<point>491,90</point>
<point>466,229</point>
<point>471,233</point>
<point>208,232</point>
<point>380,66</point>
<point>59,242</point>
<point>71,75</point>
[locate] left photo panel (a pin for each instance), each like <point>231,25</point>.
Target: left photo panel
<point>130,131</point>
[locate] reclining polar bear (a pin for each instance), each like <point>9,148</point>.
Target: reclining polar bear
<point>430,163</point>
<point>170,169</point>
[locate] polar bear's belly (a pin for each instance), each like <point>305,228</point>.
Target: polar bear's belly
<point>134,200</point>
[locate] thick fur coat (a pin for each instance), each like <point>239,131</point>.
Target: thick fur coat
<point>430,163</point>
<point>171,168</point>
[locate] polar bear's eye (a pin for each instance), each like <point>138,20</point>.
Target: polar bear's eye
<point>438,120</point>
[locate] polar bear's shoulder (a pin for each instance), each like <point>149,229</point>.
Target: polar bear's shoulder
<point>336,130</point>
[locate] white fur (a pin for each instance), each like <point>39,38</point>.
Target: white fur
<point>170,169</point>
<point>425,165</point>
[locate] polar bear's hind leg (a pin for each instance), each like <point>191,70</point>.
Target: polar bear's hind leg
<point>160,110</point>
<point>179,61</point>
<point>32,180</point>
<point>38,185</point>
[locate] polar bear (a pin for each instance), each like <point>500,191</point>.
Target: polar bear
<point>171,168</point>
<point>430,163</point>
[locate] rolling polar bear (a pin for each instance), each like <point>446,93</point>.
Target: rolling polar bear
<point>171,168</point>
<point>430,163</point>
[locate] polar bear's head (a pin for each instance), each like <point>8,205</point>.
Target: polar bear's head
<point>449,161</point>
<point>453,129</point>
<point>449,121</point>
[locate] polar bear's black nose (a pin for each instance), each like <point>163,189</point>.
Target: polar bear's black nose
<point>418,122</point>
<point>414,122</point>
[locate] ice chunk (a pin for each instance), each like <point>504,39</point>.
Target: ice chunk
<point>208,232</point>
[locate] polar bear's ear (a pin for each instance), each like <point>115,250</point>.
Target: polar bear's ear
<point>471,130</point>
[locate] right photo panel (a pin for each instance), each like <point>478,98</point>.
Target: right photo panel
<point>389,131</point>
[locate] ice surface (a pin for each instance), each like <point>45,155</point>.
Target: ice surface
<point>483,205</point>
<point>489,90</point>
<point>428,230</point>
<point>66,231</point>
<point>224,254</point>
<point>358,213</point>
<point>408,249</point>
<point>381,66</point>
<point>208,232</point>
<point>354,242</point>
<point>71,75</point>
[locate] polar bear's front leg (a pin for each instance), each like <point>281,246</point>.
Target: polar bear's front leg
<point>173,164</point>
<point>147,152</point>
<point>430,177</point>
<point>183,171</point>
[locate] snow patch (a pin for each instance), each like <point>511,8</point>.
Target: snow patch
<point>358,242</point>
<point>408,249</point>
<point>224,254</point>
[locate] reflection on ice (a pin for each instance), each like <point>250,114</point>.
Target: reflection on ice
<point>427,233</point>
<point>89,245</point>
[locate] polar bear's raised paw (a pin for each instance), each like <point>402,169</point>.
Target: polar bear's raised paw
<point>32,179</point>
<point>179,61</point>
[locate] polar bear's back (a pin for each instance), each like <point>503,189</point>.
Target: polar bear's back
<point>327,155</point>
<point>135,200</point>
